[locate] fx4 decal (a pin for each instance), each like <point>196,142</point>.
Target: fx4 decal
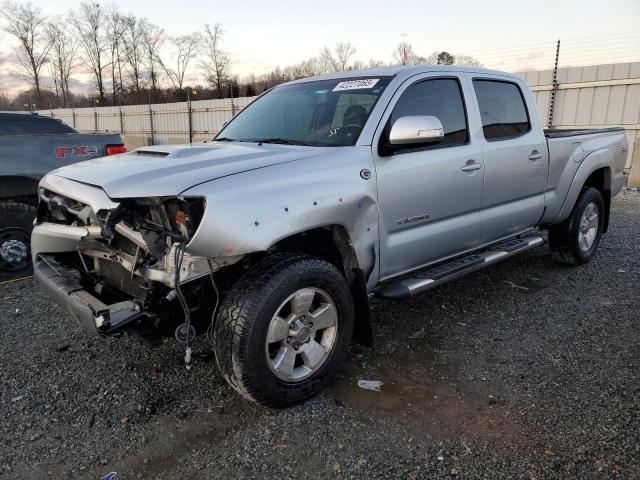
<point>81,151</point>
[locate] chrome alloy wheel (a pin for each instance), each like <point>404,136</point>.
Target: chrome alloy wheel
<point>588,230</point>
<point>301,334</point>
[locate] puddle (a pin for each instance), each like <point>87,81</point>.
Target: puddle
<point>427,396</point>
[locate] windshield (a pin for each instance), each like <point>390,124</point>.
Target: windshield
<point>325,113</point>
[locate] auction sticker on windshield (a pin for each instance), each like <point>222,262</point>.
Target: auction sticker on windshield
<point>355,84</point>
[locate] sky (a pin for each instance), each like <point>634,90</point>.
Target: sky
<point>261,35</point>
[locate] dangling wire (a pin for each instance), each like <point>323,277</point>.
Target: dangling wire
<point>178,257</point>
<point>215,308</point>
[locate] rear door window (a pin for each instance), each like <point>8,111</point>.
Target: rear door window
<point>502,109</point>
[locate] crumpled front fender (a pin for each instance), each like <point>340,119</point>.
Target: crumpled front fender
<point>251,211</point>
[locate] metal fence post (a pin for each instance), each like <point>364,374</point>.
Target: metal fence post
<point>95,117</point>
<point>153,140</point>
<point>121,119</point>
<point>552,98</point>
<point>73,116</point>
<point>189,117</point>
<point>233,106</point>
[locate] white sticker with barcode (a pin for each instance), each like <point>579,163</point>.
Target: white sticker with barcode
<point>356,84</point>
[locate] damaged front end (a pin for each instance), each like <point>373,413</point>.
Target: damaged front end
<point>118,264</point>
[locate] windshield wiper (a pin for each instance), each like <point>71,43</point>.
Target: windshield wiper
<point>281,141</point>
<point>224,139</point>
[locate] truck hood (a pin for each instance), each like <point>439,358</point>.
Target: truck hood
<point>167,170</point>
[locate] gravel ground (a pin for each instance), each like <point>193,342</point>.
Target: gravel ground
<point>523,370</point>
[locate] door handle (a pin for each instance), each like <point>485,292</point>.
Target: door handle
<point>471,166</point>
<point>535,155</point>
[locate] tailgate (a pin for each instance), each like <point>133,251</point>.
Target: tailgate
<point>35,155</point>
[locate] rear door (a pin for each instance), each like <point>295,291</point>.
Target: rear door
<point>428,197</point>
<point>515,157</point>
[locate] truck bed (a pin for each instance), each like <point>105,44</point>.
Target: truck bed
<point>561,133</point>
<point>567,150</point>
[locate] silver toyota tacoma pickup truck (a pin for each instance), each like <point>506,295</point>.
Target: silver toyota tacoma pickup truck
<point>321,193</point>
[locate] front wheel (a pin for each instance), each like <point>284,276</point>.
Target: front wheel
<point>576,240</point>
<point>284,328</point>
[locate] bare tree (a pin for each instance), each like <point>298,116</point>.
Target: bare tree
<point>306,68</point>
<point>115,37</point>
<point>152,39</point>
<point>215,61</point>
<point>344,51</point>
<point>338,59</point>
<point>134,50</point>
<point>90,24</point>
<point>404,54</point>
<point>373,63</point>
<point>186,50</point>
<point>27,24</point>
<point>467,61</point>
<point>61,60</point>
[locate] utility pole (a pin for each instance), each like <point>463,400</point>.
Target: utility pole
<point>552,98</point>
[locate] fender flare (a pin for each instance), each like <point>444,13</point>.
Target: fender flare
<point>599,159</point>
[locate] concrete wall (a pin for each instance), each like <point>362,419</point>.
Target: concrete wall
<point>594,96</point>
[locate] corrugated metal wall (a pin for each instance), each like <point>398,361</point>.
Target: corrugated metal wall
<point>594,96</point>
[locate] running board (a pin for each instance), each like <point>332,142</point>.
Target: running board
<point>457,268</point>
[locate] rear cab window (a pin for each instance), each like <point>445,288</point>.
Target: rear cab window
<point>503,110</point>
<point>16,124</point>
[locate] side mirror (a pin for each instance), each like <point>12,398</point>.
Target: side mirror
<point>416,129</point>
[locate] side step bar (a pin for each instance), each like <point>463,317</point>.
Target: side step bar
<point>457,268</point>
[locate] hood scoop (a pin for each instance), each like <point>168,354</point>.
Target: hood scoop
<point>166,170</point>
<point>151,153</point>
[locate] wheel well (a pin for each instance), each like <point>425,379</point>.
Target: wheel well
<point>18,187</point>
<point>331,243</point>
<point>601,179</point>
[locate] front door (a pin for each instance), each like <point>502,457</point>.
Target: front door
<point>429,197</point>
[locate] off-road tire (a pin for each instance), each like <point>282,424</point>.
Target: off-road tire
<point>243,319</point>
<point>16,219</point>
<point>563,238</point>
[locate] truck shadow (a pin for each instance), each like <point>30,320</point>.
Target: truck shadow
<point>431,351</point>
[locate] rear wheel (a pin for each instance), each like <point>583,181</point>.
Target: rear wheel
<point>284,328</point>
<point>576,240</point>
<point>16,223</point>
